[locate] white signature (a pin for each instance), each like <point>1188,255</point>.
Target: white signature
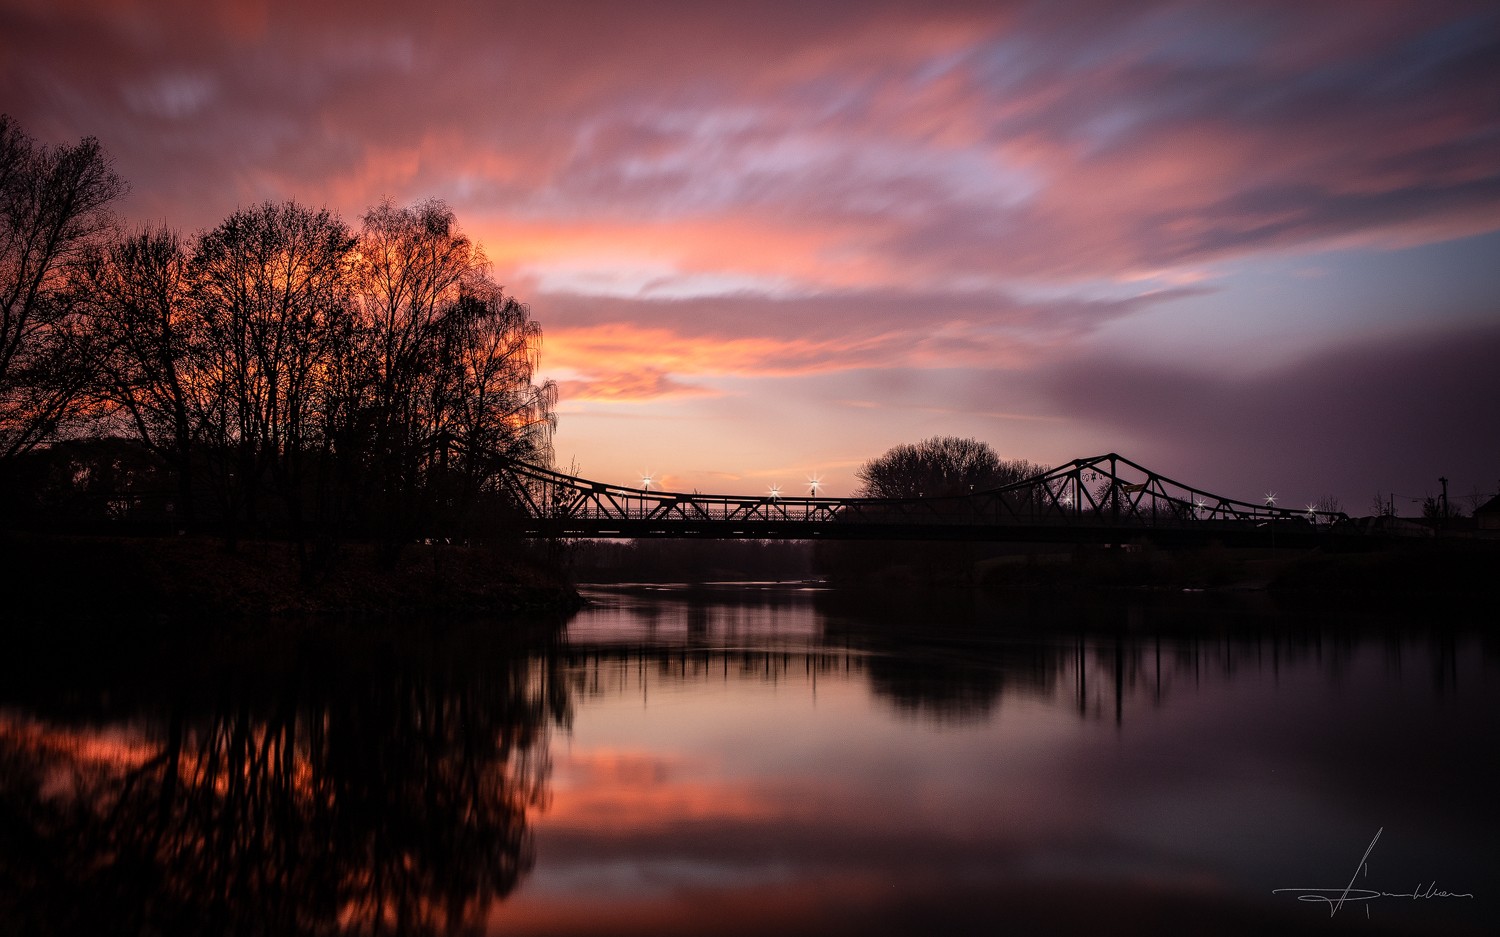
<point>1336,898</point>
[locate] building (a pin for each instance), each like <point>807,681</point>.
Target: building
<point>1487,515</point>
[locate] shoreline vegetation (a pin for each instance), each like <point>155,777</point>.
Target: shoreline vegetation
<point>1407,569</point>
<point>185,578</point>
<point>195,578</point>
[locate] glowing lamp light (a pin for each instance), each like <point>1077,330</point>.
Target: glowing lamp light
<point>1270,499</point>
<point>775,492</point>
<point>813,484</point>
<point>646,481</point>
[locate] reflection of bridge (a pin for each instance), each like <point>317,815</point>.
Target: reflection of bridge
<point>1105,499</point>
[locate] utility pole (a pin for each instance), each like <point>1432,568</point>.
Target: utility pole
<point>1444,482</point>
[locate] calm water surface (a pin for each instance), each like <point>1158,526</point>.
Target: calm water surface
<point>766,759</point>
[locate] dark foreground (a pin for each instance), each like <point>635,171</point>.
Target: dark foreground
<point>192,578</point>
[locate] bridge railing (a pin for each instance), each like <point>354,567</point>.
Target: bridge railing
<point>1102,491</point>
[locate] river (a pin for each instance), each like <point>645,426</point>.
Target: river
<point>763,758</point>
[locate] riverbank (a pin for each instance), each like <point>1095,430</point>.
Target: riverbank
<point>1441,568</point>
<point>191,577</point>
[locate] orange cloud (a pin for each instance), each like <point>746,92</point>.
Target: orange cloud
<point>622,386</point>
<point>622,362</point>
<point>803,251</point>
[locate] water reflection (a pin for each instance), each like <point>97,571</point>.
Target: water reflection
<point>952,657</point>
<point>323,793</point>
<point>842,763</point>
<point>751,761</point>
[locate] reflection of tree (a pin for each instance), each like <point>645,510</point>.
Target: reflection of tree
<point>959,684</point>
<point>935,655</point>
<point>370,803</point>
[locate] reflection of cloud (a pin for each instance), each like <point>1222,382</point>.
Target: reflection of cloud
<point>857,903</point>
<point>613,767</point>
<point>615,793</point>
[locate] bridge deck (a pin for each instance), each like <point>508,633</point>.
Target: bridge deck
<point>1104,499</point>
<point>1268,534</point>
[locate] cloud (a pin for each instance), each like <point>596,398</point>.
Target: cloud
<point>633,349</point>
<point>1388,413</point>
<point>697,194</point>
<point>950,140</point>
<point>632,386</point>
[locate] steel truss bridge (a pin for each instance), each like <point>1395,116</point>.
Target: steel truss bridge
<point>1106,499</point>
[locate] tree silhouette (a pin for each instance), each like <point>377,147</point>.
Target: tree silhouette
<point>442,379</point>
<point>134,292</point>
<point>381,798</point>
<point>938,467</point>
<point>319,383</point>
<point>53,203</point>
<point>270,295</point>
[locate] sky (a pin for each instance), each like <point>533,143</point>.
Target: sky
<point>1254,246</point>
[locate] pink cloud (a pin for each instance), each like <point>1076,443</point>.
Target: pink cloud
<point>632,386</point>
<point>1130,138</point>
<point>638,349</point>
<point>885,187</point>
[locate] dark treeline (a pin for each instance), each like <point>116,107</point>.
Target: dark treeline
<point>282,373</point>
<point>937,467</point>
<point>691,561</point>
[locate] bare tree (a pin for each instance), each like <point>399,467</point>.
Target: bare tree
<point>497,410</point>
<point>134,293</point>
<point>270,297</point>
<point>940,466</point>
<point>412,267</point>
<point>448,364</point>
<point>53,203</point>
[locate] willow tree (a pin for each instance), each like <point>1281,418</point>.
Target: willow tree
<point>447,363</point>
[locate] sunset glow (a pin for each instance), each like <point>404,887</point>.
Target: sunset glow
<point>763,237</point>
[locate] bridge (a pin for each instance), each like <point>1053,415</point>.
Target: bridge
<point>1105,499</point>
